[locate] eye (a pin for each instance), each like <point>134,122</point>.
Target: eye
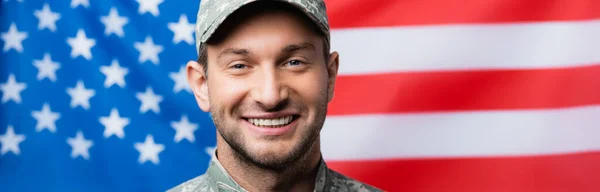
<point>294,62</point>
<point>238,66</point>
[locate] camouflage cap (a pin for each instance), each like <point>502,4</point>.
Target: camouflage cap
<point>213,12</point>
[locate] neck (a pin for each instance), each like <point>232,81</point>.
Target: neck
<point>299,176</point>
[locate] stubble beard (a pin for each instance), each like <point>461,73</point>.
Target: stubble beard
<point>294,160</point>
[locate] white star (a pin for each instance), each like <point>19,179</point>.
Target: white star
<point>114,124</point>
<point>80,96</point>
<point>114,23</point>
<point>148,50</point>
<point>84,3</point>
<point>46,119</point>
<point>46,68</point>
<point>115,74</point>
<point>149,101</point>
<point>10,141</point>
<point>80,146</point>
<point>183,30</point>
<point>149,150</point>
<point>81,45</point>
<point>12,89</point>
<point>47,18</point>
<point>13,39</point>
<point>149,6</point>
<point>180,79</point>
<point>184,129</point>
<point>210,150</point>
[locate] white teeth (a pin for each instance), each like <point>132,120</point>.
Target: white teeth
<point>271,122</point>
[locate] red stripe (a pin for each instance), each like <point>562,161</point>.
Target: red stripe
<point>466,90</point>
<point>368,13</point>
<point>573,172</point>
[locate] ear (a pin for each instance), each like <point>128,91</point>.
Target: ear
<point>332,70</point>
<point>198,82</point>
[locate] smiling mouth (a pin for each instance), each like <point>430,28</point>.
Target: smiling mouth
<point>272,122</point>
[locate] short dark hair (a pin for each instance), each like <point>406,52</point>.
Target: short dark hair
<point>249,10</point>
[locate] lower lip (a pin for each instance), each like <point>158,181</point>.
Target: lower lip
<point>276,131</point>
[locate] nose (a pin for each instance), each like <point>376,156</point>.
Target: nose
<point>269,91</point>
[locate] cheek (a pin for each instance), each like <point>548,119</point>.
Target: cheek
<point>311,87</point>
<point>226,93</point>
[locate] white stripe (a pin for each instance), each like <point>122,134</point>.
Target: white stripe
<point>465,134</point>
<point>460,47</point>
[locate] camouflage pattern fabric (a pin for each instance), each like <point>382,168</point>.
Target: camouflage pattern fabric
<point>212,13</point>
<point>216,179</point>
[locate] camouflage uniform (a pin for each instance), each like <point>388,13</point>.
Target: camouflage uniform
<point>210,15</point>
<point>216,179</point>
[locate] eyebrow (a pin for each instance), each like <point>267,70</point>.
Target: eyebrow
<point>286,49</point>
<point>296,47</point>
<point>235,51</point>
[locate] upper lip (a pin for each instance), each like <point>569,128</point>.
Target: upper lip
<point>268,115</point>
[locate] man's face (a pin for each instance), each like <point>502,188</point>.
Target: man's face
<point>268,87</point>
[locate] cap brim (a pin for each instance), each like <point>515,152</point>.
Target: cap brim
<point>232,6</point>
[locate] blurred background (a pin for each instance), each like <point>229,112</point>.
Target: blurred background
<point>433,95</point>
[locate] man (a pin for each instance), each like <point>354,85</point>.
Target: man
<point>266,75</point>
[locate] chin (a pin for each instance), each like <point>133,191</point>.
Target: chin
<point>267,144</point>
<point>277,150</point>
<point>274,154</point>
<point>272,159</point>
<point>272,149</point>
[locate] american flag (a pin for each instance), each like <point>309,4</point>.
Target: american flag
<point>433,95</point>
<point>95,98</point>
